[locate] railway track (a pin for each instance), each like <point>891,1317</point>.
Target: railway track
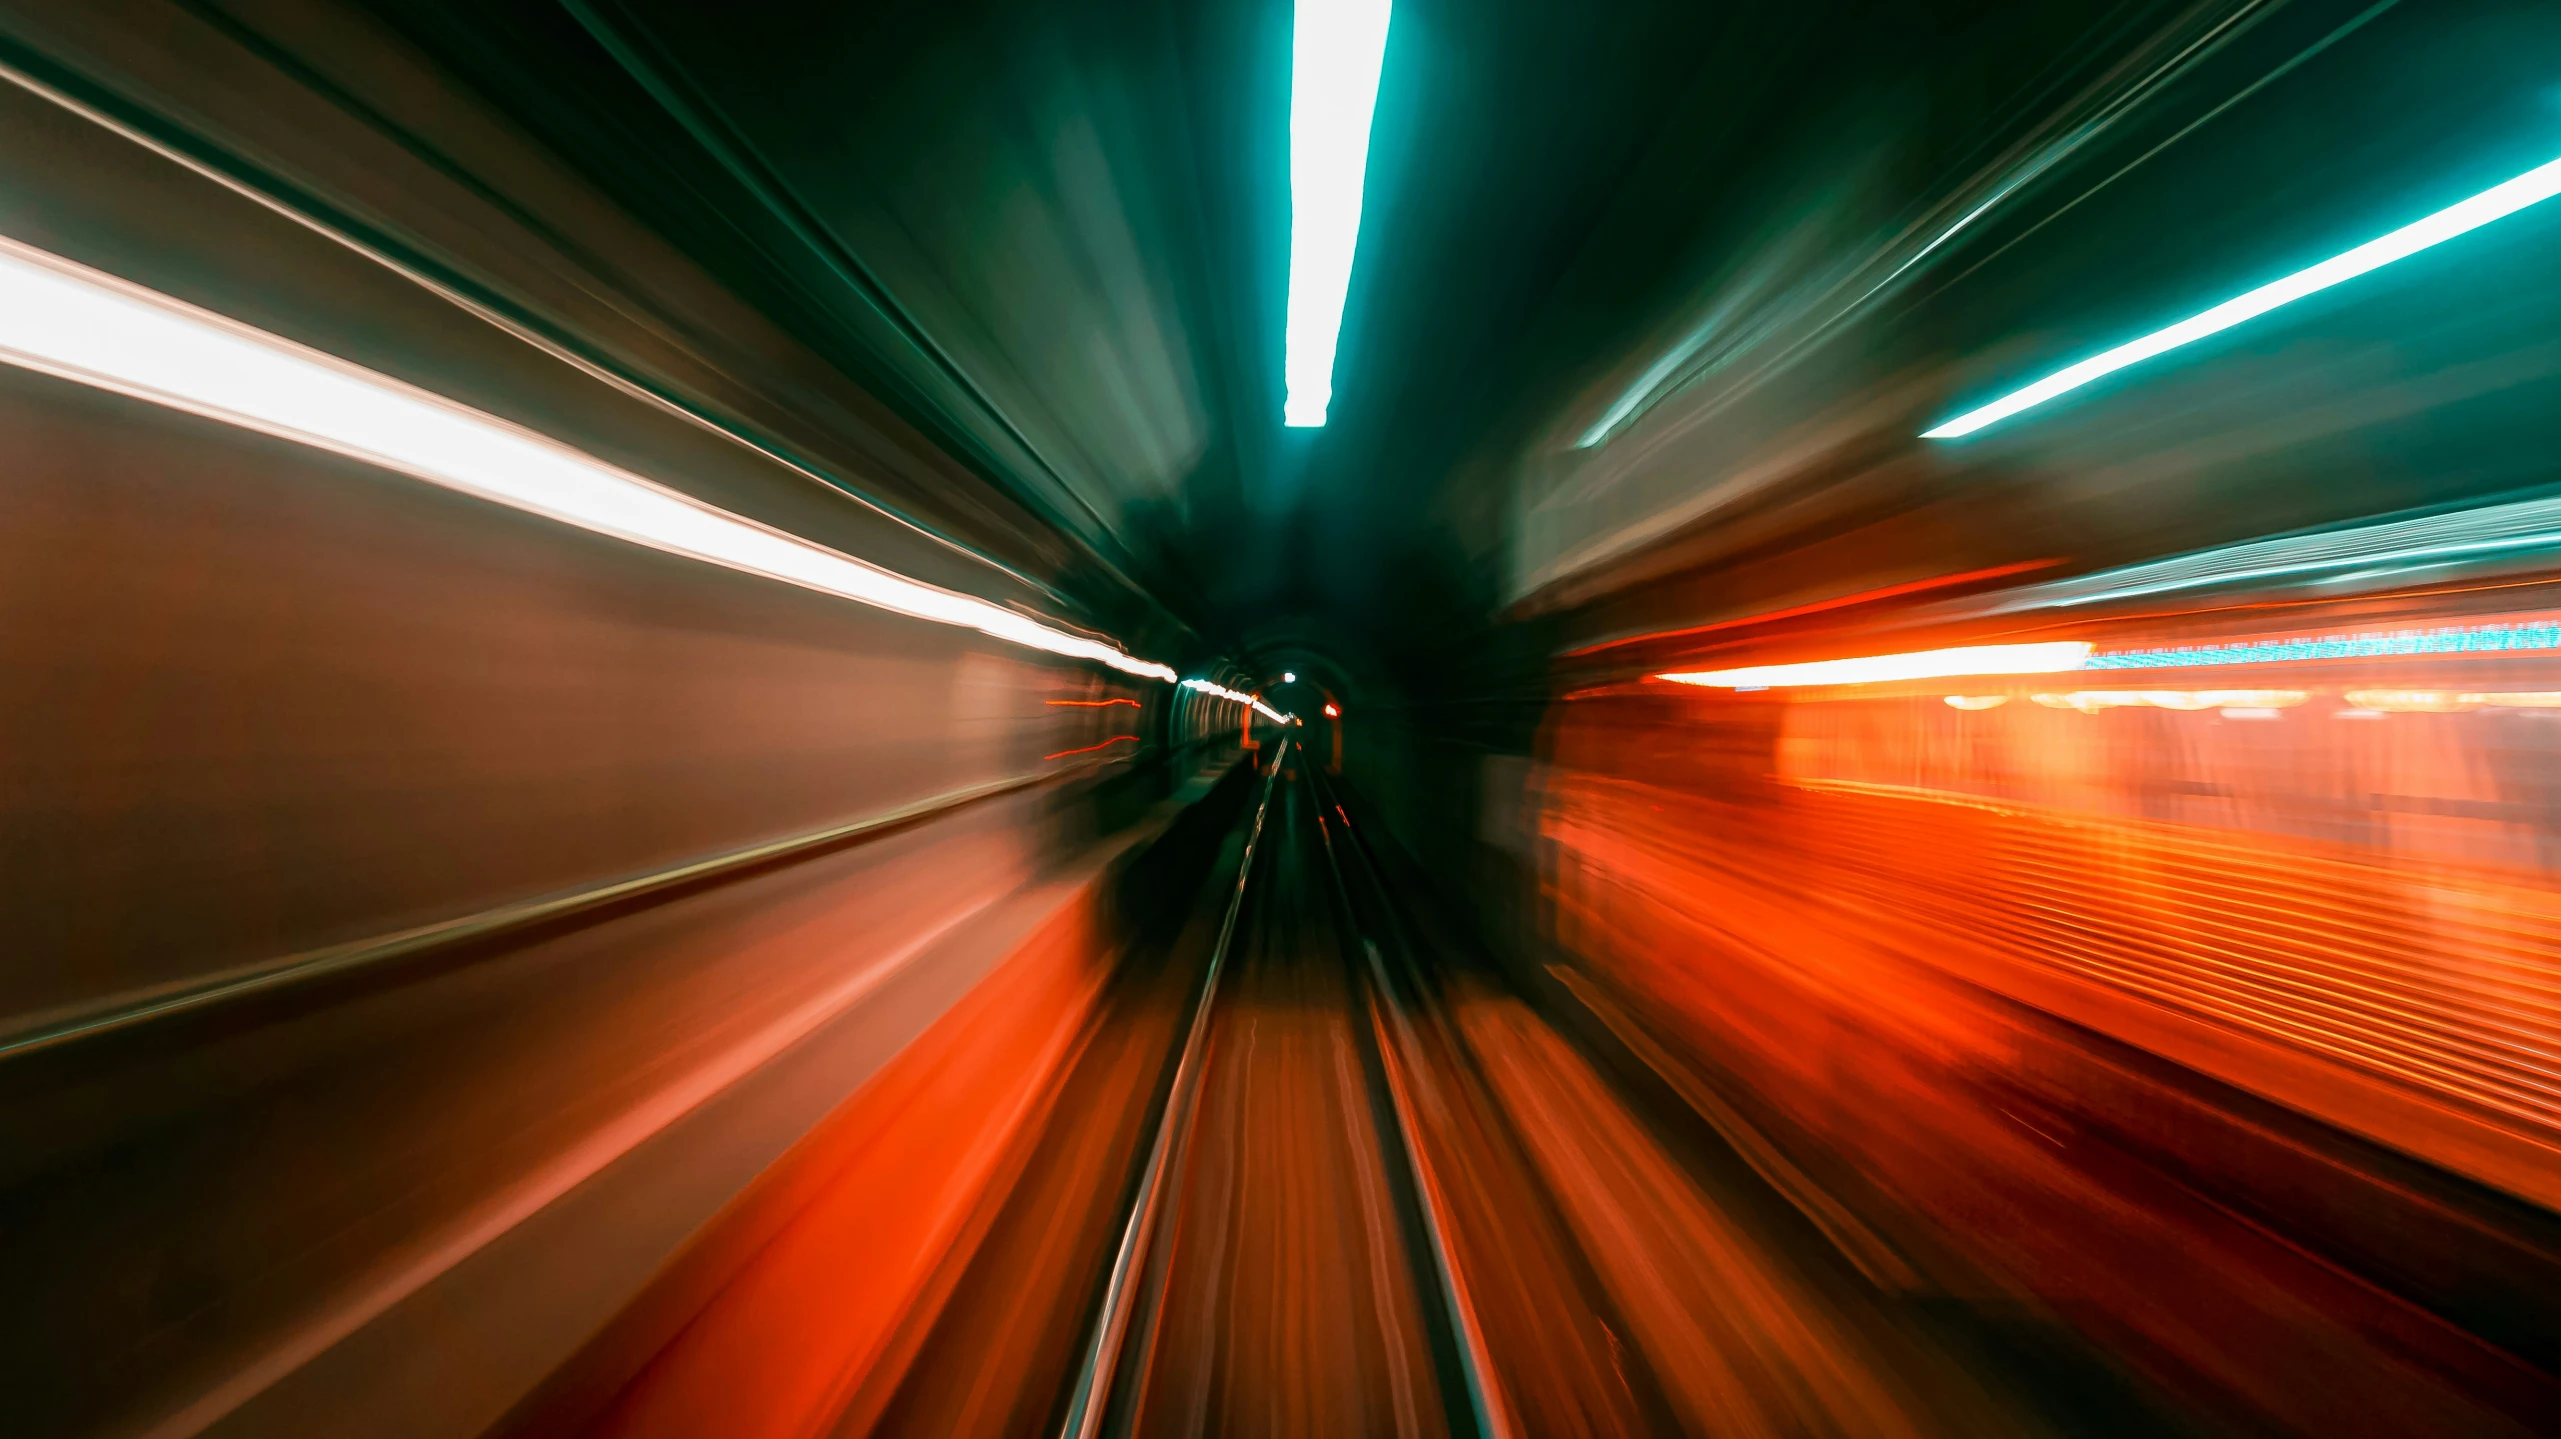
<point>1282,1262</point>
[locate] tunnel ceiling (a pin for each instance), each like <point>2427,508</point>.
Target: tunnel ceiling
<point>1646,293</point>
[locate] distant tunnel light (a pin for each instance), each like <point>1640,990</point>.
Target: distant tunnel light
<point>1334,59</point>
<point>1332,713</point>
<point>1289,677</point>
<point>2035,659</point>
<point>2497,202</point>
<point>68,320</point>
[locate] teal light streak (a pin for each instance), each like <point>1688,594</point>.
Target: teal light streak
<point>2529,637</point>
<point>2497,202</point>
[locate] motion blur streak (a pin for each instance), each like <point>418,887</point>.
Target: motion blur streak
<point>2037,659</point>
<point>69,320</point>
<point>1614,890</point>
<point>2092,701</point>
<point>2505,637</point>
<point>1252,702</point>
<point>1863,597</point>
<point>1089,749</point>
<point>2496,203</point>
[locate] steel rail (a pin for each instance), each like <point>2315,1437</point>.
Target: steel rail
<point>1399,1047</point>
<point>1091,1397</point>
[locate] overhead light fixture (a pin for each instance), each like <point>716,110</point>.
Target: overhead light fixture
<point>2499,201</point>
<point>1289,677</point>
<point>2033,659</point>
<point>1335,55</point>
<point>84,325</point>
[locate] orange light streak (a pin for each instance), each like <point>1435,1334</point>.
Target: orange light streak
<point>1863,597</point>
<point>1094,704</point>
<point>1089,749</point>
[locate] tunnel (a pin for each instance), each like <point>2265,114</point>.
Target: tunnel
<point>1263,718</point>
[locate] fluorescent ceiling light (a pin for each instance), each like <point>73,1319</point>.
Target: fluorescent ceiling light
<point>2035,659</point>
<point>80,324</point>
<point>1334,62</point>
<point>2532,187</point>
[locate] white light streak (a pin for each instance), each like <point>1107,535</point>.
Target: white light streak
<point>2497,202</point>
<point>2445,702</point>
<point>1242,698</point>
<point>2035,659</point>
<point>2093,701</point>
<point>80,324</point>
<point>1335,58</point>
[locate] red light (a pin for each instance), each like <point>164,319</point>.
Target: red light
<point>1861,598</point>
<point>1089,749</point>
<point>1332,713</point>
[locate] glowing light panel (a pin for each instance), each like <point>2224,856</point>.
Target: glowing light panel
<point>2036,659</point>
<point>2462,217</point>
<point>1334,57</point>
<point>83,325</point>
